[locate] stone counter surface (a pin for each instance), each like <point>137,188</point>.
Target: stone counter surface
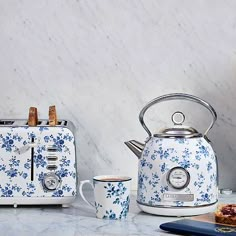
<point>80,219</point>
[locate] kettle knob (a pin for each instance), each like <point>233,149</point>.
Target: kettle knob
<point>178,118</point>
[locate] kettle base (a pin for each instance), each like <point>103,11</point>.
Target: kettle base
<point>178,211</point>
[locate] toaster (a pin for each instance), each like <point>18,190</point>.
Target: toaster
<point>37,164</point>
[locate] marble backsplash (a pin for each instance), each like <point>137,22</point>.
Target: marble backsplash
<point>100,62</point>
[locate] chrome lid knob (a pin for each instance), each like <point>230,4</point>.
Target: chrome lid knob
<point>178,118</point>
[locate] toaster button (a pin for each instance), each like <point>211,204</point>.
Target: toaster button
<point>51,181</point>
<point>52,149</point>
<point>52,158</point>
<point>51,167</point>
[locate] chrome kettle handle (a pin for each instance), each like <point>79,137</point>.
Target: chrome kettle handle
<point>177,96</point>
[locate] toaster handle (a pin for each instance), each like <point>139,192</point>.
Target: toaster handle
<point>177,96</point>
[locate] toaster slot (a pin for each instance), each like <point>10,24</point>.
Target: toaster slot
<point>51,167</point>
<point>39,123</point>
<point>59,122</point>
<point>52,149</point>
<point>6,122</point>
<point>52,158</point>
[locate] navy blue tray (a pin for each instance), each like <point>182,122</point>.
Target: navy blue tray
<point>200,225</point>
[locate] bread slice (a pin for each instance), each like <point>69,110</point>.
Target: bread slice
<point>226,214</point>
<point>52,116</point>
<point>33,116</point>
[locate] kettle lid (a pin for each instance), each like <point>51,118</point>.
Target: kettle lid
<point>178,130</point>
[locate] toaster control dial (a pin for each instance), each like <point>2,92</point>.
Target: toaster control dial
<point>178,178</point>
<point>51,181</point>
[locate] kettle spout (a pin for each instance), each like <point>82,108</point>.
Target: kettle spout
<point>136,147</point>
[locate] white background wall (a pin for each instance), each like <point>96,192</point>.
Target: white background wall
<point>101,61</point>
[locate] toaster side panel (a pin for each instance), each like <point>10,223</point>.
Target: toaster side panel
<point>37,162</point>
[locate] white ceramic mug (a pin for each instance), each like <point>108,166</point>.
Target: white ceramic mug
<point>112,196</point>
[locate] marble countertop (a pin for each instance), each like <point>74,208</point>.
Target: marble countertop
<point>80,219</point>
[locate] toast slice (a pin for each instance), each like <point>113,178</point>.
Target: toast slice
<point>33,116</point>
<point>226,214</point>
<point>52,116</point>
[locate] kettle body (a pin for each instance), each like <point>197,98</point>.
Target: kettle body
<point>178,173</point>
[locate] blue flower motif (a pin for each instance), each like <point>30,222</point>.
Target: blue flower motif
<point>125,208</point>
<point>209,166</point>
<point>205,197</point>
<point>97,206</point>
<point>68,137</point>
<point>22,174</point>
<point>185,164</point>
<point>40,177</point>
<point>186,153</point>
<point>164,167</point>
<point>142,177</point>
<point>175,159</point>
<point>164,188</point>
<point>110,215</point>
<point>203,150</point>
<point>141,196</point>
<point>162,153</point>
<point>200,180</point>
<point>11,172</point>
<point>30,190</point>
<point>62,172</point>
<point>2,167</point>
<point>14,162</point>
<point>64,162</point>
<point>181,140</point>
<point>146,152</point>
<point>66,188</point>
<point>115,190</point>
<point>154,181</point>
<point>27,165</point>
<point>31,135</point>
<point>213,178</point>
<point>155,198</point>
<point>8,190</point>
<point>153,157</point>
<point>196,166</point>
<point>179,203</point>
<point>7,142</point>
<point>58,193</point>
<point>209,187</point>
<point>39,160</point>
<point>46,139</point>
<point>42,128</point>
<point>143,162</point>
<point>10,141</point>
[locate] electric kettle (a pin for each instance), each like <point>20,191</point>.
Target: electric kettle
<point>177,173</point>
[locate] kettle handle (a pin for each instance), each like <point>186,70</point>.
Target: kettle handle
<point>177,96</point>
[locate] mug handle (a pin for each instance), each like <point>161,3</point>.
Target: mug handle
<point>81,191</point>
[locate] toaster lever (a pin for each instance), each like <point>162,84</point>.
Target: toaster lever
<point>25,148</point>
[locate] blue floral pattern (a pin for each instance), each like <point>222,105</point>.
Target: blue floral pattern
<point>15,168</point>
<point>116,203</point>
<point>9,190</point>
<point>195,155</point>
<point>115,189</point>
<point>9,140</point>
